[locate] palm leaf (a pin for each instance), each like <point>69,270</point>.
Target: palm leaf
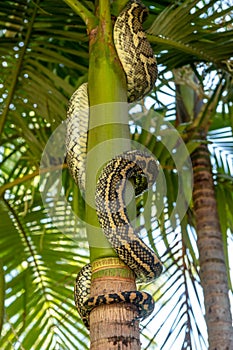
<point>37,45</point>
<point>39,280</point>
<point>188,32</point>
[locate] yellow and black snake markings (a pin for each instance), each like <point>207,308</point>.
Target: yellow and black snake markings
<point>134,50</point>
<point>82,293</point>
<point>142,300</point>
<point>139,64</point>
<point>76,134</point>
<point>112,214</point>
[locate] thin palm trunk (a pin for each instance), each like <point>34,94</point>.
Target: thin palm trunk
<point>213,273</point>
<point>111,326</point>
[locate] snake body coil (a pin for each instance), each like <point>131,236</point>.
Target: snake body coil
<point>139,64</point>
<point>112,214</point>
<point>134,50</point>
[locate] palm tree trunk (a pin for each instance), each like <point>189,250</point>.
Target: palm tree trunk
<point>112,326</point>
<point>213,273</point>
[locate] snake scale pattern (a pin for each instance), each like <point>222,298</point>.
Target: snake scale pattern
<point>139,64</point>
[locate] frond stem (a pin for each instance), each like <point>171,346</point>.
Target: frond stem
<point>30,176</point>
<point>19,64</point>
<point>28,243</point>
<point>160,39</point>
<point>88,18</point>
<point>2,293</point>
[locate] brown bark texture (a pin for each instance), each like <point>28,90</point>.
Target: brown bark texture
<point>113,327</point>
<point>213,273</point>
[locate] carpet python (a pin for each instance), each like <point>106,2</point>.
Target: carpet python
<point>139,64</point>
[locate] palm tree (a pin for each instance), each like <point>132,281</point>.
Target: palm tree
<point>209,236</point>
<point>44,51</point>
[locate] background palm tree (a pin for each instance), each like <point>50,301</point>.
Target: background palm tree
<point>44,50</point>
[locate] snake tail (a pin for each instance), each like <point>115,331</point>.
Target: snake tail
<point>85,304</point>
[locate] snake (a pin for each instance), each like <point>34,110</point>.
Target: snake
<point>140,67</point>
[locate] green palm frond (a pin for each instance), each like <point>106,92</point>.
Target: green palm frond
<point>40,271</point>
<point>221,148</point>
<point>179,308</point>
<point>44,51</point>
<point>189,32</point>
<point>221,143</point>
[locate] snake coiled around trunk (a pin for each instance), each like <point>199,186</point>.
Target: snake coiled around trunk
<point>139,64</point>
